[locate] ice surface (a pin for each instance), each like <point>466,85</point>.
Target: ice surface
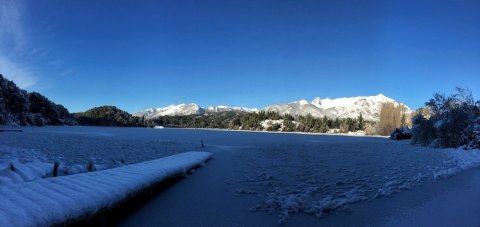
<point>77,146</point>
<point>285,175</point>
<point>53,201</point>
<point>339,174</point>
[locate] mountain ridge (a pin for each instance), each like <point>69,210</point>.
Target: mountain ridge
<point>346,107</point>
<point>188,109</point>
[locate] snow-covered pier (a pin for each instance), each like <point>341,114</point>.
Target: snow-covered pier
<point>73,198</point>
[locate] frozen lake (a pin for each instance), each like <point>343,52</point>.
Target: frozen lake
<point>253,178</point>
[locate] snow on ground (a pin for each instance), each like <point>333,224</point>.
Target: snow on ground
<point>17,165</point>
<point>17,172</point>
<point>267,123</point>
<point>319,183</point>
<point>446,203</point>
<point>70,198</point>
<point>256,178</point>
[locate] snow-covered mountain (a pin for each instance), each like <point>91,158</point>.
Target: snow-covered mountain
<point>298,108</point>
<point>368,106</point>
<point>172,110</point>
<point>217,109</point>
<point>187,109</point>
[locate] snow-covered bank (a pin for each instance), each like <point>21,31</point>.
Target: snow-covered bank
<point>331,133</point>
<point>54,201</point>
<point>447,203</point>
<point>451,202</point>
<point>387,178</point>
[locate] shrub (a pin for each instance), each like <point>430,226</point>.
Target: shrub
<point>471,136</point>
<point>423,131</point>
<point>452,122</point>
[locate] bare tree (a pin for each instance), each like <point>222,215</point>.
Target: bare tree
<point>392,116</point>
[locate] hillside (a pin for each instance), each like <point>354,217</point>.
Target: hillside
<point>19,107</point>
<point>106,116</point>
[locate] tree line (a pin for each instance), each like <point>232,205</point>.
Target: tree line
<point>262,120</point>
<point>107,116</point>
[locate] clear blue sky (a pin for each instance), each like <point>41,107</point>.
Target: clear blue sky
<point>141,54</point>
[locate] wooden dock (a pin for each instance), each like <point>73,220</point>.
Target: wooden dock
<point>93,198</point>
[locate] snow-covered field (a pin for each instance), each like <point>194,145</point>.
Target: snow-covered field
<point>254,178</point>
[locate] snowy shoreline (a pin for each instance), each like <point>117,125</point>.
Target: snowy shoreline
<point>450,202</point>
<point>353,134</point>
<point>279,132</point>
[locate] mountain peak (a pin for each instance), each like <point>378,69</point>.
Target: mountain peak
<point>351,107</point>
<point>317,101</point>
<point>382,96</point>
<point>171,110</point>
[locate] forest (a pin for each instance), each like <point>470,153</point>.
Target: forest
<point>19,107</point>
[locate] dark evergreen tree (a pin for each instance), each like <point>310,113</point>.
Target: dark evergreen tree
<point>288,125</point>
<point>20,107</point>
<point>361,123</point>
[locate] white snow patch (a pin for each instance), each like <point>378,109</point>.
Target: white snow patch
<point>267,123</point>
<point>285,201</point>
<point>303,102</point>
<point>460,160</point>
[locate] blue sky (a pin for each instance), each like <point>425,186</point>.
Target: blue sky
<point>141,54</point>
